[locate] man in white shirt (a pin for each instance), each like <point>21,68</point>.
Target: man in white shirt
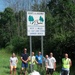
<point>51,64</point>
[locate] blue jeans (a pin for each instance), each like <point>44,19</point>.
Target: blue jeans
<point>64,72</point>
<point>24,65</point>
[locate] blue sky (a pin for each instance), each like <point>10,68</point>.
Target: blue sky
<point>2,5</point>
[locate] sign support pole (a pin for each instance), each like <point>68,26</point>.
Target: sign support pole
<point>31,52</point>
<point>42,46</point>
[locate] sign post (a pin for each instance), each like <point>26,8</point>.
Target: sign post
<point>35,27</point>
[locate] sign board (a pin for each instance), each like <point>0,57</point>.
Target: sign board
<point>35,23</point>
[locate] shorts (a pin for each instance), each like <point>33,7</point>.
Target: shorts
<point>24,65</point>
<point>49,71</point>
<point>13,66</point>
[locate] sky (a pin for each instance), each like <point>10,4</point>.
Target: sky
<point>2,5</point>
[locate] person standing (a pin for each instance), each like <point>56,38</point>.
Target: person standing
<point>32,61</point>
<point>51,64</point>
<point>46,63</point>
<point>13,64</point>
<point>24,59</point>
<point>39,59</point>
<point>66,64</point>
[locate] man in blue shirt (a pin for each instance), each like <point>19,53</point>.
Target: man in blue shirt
<point>39,59</point>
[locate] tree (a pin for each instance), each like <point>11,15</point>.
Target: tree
<point>7,25</point>
<point>63,26</point>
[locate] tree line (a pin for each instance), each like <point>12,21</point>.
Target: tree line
<point>59,25</point>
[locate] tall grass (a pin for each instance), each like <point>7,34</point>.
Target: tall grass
<point>4,62</point>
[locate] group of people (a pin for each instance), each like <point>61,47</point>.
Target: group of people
<point>50,63</point>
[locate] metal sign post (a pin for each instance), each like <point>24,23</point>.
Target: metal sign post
<point>42,46</point>
<point>35,27</point>
<point>31,51</point>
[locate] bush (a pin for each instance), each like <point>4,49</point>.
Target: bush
<point>9,48</point>
<point>19,43</point>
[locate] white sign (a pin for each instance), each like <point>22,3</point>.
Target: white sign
<point>35,23</point>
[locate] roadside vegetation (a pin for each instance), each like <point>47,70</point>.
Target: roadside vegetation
<point>5,69</point>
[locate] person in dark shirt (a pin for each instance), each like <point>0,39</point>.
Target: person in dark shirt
<point>24,59</point>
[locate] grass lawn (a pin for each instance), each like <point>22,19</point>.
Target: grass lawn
<point>4,63</point>
<point>5,70</point>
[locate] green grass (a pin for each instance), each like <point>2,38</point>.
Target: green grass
<point>4,63</point>
<point>5,70</point>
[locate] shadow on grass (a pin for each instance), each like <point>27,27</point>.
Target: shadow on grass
<point>72,70</point>
<point>7,70</point>
<point>18,71</point>
<point>7,67</point>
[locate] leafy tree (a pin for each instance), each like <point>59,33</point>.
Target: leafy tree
<point>18,44</point>
<point>7,24</point>
<point>63,26</point>
<point>59,24</point>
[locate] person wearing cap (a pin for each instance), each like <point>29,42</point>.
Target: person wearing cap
<point>66,64</point>
<point>24,59</point>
